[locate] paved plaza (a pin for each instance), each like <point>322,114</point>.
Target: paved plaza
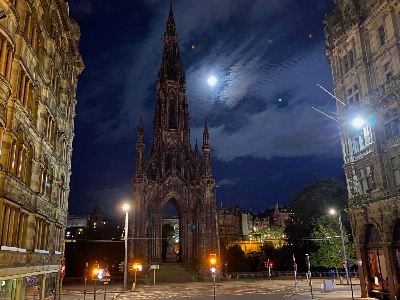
<point>249,289</point>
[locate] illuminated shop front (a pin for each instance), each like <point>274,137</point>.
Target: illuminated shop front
<point>377,266</point>
<point>32,287</point>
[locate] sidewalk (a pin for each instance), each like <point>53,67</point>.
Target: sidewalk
<point>340,292</point>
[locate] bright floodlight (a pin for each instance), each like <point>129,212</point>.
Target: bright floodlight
<point>358,122</point>
<point>332,211</point>
<point>212,80</point>
<point>125,207</point>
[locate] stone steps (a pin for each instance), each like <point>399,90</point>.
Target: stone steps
<point>175,272</point>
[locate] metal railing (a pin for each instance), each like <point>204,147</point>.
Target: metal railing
<point>290,274</point>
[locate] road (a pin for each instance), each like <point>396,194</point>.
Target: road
<point>248,289</point>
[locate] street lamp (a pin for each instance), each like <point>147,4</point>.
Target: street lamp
<point>126,207</point>
<point>332,212</point>
<point>358,122</point>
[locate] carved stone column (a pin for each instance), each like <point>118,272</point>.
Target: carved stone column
<point>18,287</point>
<point>43,287</point>
<point>393,284</point>
<point>361,255</point>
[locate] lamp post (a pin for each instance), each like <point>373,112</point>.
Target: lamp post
<point>125,207</point>
<point>332,211</point>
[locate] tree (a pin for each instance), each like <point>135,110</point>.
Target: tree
<point>311,202</point>
<point>236,259</point>
<point>327,238</point>
<point>275,232</point>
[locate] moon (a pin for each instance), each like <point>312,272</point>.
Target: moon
<point>212,80</point>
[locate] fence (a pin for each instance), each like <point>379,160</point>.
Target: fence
<point>290,274</point>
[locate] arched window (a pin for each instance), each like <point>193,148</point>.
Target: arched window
<point>49,183</point>
<point>172,114</point>
<point>2,130</point>
<point>44,177</point>
<point>11,159</point>
<point>377,271</point>
<point>61,191</point>
<point>6,57</point>
<point>29,161</point>
<point>54,136</point>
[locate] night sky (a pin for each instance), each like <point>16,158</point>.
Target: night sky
<point>268,57</point>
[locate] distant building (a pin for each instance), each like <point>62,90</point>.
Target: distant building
<point>229,224</point>
<point>235,225</point>
<point>96,217</point>
<point>279,215</point>
<point>76,225</point>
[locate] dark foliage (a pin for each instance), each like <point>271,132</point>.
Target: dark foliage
<point>236,259</point>
<point>310,203</point>
<point>77,254</point>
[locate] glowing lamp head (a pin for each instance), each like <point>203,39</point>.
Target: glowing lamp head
<point>358,122</point>
<point>212,80</point>
<point>213,259</point>
<point>213,269</point>
<point>332,211</point>
<point>125,207</point>
<point>95,271</point>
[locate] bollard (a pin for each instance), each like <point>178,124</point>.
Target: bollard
<point>322,287</point>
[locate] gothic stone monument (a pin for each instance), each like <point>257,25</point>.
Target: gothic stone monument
<point>174,174</point>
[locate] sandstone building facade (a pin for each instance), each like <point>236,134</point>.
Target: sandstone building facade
<point>363,49</point>
<point>174,173</point>
<point>39,66</point>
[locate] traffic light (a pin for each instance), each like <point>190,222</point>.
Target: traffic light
<point>213,263</point>
<point>213,259</point>
<point>121,267</point>
<point>271,264</point>
<point>129,267</point>
<point>295,267</point>
<point>265,264</point>
<point>95,272</point>
<point>343,261</point>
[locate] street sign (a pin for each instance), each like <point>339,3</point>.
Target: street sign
<point>154,267</point>
<point>105,279</point>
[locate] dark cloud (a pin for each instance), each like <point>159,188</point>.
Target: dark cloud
<point>260,51</point>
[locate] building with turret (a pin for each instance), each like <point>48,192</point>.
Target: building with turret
<point>363,49</point>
